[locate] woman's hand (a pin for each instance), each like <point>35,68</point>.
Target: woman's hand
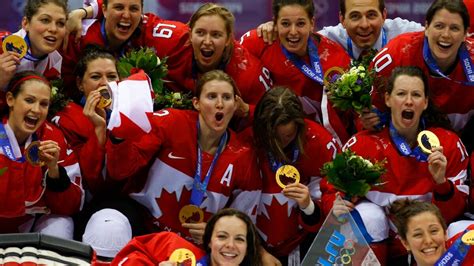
<point>96,115</point>
<point>268,259</point>
<point>342,206</point>
<point>437,163</point>
<point>8,65</point>
<point>74,24</point>
<point>242,107</point>
<point>267,31</point>
<point>369,119</point>
<point>299,193</point>
<point>49,154</point>
<point>196,230</point>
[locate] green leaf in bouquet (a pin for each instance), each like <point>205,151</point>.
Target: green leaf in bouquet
<point>152,61</point>
<point>365,100</point>
<point>357,106</point>
<point>124,69</point>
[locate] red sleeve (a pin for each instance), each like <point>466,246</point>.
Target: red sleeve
<point>80,135</point>
<point>69,201</point>
<point>135,149</point>
<point>319,139</point>
<point>451,196</point>
<point>254,44</point>
<point>154,248</point>
<point>358,144</point>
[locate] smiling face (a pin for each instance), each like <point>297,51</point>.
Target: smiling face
<point>46,29</point>
<point>98,73</point>
<point>294,28</point>
<point>122,19</point>
<point>407,102</point>
<point>209,39</point>
<point>363,22</point>
<point>29,108</point>
<point>425,238</point>
<point>228,243</point>
<point>445,35</point>
<point>216,106</point>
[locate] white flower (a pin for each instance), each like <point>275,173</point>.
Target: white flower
<point>177,96</point>
<point>54,91</point>
<point>158,61</point>
<point>361,68</point>
<point>368,163</point>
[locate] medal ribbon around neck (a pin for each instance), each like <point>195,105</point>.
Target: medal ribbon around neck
<point>456,253</point>
<point>313,71</point>
<point>274,164</point>
<point>464,57</point>
<point>404,148</point>
<point>30,56</point>
<point>349,43</point>
<point>7,147</point>
<point>199,188</point>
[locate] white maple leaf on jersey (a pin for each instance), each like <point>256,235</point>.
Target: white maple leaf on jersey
<point>162,177</point>
<point>266,200</point>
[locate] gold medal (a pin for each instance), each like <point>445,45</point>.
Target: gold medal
<point>328,74</point>
<point>191,214</point>
<point>183,257</point>
<point>427,140</point>
<point>32,154</point>
<point>468,238</point>
<point>105,98</point>
<point>15,43</point>
<point>287,174</point>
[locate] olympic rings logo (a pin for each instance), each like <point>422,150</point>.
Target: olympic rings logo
<point>345,253</point>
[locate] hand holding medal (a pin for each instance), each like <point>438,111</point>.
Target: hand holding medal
<point>288,178</point>
<point>16,44</point>
<point>105,98</point>
<point>14,48</point>
<point>437,162</point>
<point>40,153</point>
<point>32,154</point>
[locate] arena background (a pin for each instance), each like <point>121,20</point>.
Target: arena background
<point>249,13</point>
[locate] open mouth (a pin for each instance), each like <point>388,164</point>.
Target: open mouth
<point>444,45</point>
<point>293,41</point>
<point>228,255</point>
<point>428,251</point>
<point>219,116</point>
<point>408,114</point>
<point>207,53</point>
<point>50,40</point>
<point>122,26</point>
<point>31,121</point>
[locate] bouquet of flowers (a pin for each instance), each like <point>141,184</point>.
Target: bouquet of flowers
<point>351,89</point>
<point>353,174</point>
<point>156,69</point>
<point>58,99</point>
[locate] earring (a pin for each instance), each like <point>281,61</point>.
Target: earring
<point>409,258</point>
